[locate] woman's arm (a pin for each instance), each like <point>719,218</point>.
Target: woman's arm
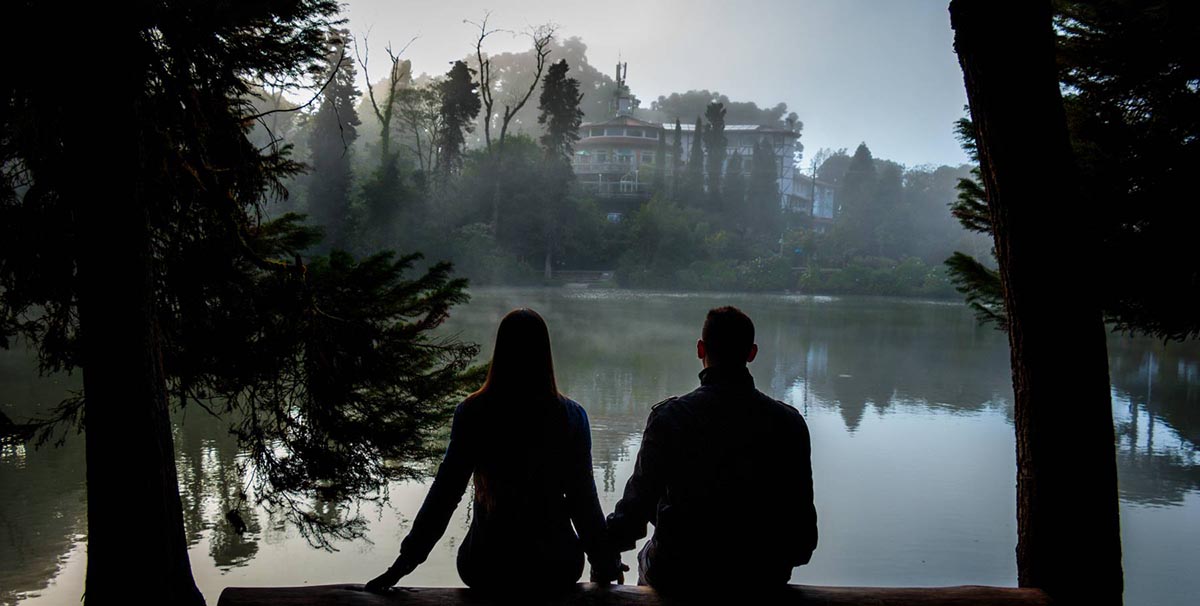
<point>444,495</point>
<point>584,504</point>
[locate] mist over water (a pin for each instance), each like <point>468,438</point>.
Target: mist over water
<point>909,405</point>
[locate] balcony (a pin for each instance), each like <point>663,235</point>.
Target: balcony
<point>609,168</point>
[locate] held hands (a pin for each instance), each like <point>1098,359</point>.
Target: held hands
<point>389,577</point>
<point>608,574</point>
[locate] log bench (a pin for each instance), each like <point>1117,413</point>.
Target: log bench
<point>588,594</point>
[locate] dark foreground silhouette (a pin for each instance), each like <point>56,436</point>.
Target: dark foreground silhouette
<point>724,473</point>
<point>529,450</point>
<point>625,595</point>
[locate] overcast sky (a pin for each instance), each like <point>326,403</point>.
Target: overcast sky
<point>879,71</point>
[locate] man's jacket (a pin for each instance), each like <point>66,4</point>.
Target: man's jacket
<point>725,475</point>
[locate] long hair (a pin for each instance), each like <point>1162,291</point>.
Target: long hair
<point>520,393</point>
<point>521,361</point>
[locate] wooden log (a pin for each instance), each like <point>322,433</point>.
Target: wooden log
<point>588,594</point>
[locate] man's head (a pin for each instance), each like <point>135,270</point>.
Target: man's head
<point>727,338</point>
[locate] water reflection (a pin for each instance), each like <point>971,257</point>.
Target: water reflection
<point>43,510</point>
<point>875,377</point>
<point>1156,398</point>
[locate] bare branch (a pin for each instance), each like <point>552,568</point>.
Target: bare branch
<point>542,37</point>
<point>332,73</point>
<point>484,69</point>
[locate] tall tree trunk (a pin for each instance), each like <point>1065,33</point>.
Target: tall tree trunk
<point>1067,511</point>
<point>135,521</point>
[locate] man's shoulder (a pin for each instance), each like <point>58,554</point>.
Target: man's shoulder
<point>664,406</point>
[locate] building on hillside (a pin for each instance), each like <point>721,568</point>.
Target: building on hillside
<point>615,159</point>
<point>741,138</point>
<point>812,198</point>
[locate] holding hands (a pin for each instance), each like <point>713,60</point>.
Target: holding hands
<point>610,573</point>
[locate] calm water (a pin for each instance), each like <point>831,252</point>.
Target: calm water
<point>909,404</point>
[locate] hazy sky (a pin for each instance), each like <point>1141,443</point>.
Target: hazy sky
<point>879,71</point>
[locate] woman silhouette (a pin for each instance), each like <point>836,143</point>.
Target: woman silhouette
<point>529,449</point>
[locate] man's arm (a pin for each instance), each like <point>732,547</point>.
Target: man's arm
<point>639,504</point>
<point>806,524</point>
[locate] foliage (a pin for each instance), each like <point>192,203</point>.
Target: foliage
<point>333,131</point>
<point>762,196</point>
<point>459,107</point>
<point>695,103</point>
<point>328,370</point>
<point>559,112</point>
<point>874,276</point>
<point>715,145</point>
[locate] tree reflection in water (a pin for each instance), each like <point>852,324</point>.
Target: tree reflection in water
<point>617,353</point>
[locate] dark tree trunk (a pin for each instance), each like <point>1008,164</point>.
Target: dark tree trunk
<point>135,519</point>
<point>1067,510</point>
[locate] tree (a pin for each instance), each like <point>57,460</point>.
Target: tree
<point>660,164</point>
<point>334,129</point>
<point>1134,147</point>
<point>399,76</point>
<point>677,161</point>
<point>1068,531</point>
<point>693,178</point>
<point>979,283</point>
<point>134,250</point>
<point>561,117</point>
<point>894,234</point>
<point>735,186</point>
<point>459,107</point>
<point>763,195</point>
<point>857,216</point>
<point>541,37</point>
<point>560,114</point>
<point>695,102</point>
<point>1135,132</point>
<point>832,165</point>
<point>714,146</point>
<point>419,110</point>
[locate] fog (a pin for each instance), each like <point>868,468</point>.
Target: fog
<point>875,71</point>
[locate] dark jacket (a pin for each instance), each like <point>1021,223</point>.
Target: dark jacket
<point>534,489</point>
<point>725,475</point>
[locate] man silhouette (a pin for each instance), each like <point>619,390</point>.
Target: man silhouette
<point>725,475</point>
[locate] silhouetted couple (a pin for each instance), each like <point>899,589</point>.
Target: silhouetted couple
<point>724,474</point>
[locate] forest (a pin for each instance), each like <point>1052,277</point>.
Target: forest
<point>413,164</point>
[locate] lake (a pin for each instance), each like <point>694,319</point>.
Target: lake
<point>909,404</point>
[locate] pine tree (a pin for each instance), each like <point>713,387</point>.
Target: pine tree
<point>660,161</point>
<point>763,196</point>
<point>1067,499</point>
<point>561,117</point>
<point>693,179</point>
<point>715,145</point>
<point>148,266</point>
<point>735,187</point>
<point>334,130</point>
<point>677,161</point>
<point>459,107</point>
<point>559,112</point>
<point>857,217</point>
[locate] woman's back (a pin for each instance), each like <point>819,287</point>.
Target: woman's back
<point>529,451</point>
<point>532,477</point>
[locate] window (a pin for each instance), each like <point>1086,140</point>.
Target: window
<point>601,157</point>
<point>613,132</point>
<point>633,132</point>
<point>647,158</point>
<point>625,156</point>
<point>596,132</point>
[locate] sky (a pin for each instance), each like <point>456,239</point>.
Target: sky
<point>881,72</point>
